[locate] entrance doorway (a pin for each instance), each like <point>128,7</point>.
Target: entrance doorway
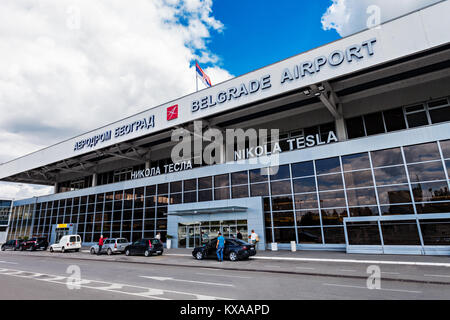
<point>195,234</point>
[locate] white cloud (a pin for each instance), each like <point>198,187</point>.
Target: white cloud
<point>71,66</point>
<point>350,16</point>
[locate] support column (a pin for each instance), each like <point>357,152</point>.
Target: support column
<point>56,187</point>
<point>341,130</point>
<point>94,179</point>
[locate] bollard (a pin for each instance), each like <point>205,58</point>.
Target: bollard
<point>293,246</point>
<point>274,246</point>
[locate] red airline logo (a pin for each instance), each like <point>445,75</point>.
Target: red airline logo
<point>172,112</point>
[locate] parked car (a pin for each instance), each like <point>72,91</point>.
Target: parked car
<point>111,246</point>
<point>234,250</point>
<point>34,244</point>
<point>67,243</point>
<point>147,247</point>
<point>12,244</point>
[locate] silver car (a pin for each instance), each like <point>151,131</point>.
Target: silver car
<point>111,246</point>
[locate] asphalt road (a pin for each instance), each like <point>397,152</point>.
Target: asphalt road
<point>23,276</point>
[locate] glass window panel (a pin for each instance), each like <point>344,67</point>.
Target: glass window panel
<point>394,119</point>
<point>447,165</point>
<point>433,207</point>
<point>387,157</point>
<point>426,171</point>
<point>268,219</point>
<point>440,115</point>
<point>259,189</point>
<point>258,175</point>
<point>355,127</point>
<point>396,209</point>
<point>239,178</point>
<point>283,219</point>
<point>304,185</point>
<point>161,212</point>
<point>175,186</point>
<point>150,190</point>
<point>175,198</point>
<point>330,182</point>
<point>445,146</point>
<point>284,235</point>
<point>302,169</point>
<point>308,218</point>
<point>432,191</point>
<point>309,235</point>
<point>363,233</point>
<point>149,224</point>
<point>374,123</point>
<point>306,201</point>
<point>282,203</point>
<point>329,165</point>
<point>400,233</point>
<point>190,185</point>
<point>269,235</point>
<point>334,216</point>
<point>221,193</point>
<point>394,194</point>
<point>332,199</point>
<point>390,175</point>
<point>364,211</point>
<point>422,152</point>
<point>334,235</point>
<point>356,161</point>
<point>417,119</point>
<point>435,232</point>
<point>205,195</point>
<point>279,172</point>
<point>361,197</point>
<point>239,192</point>
<point>221,180</point>
<point>357,179</point>
<point>281,187</point>
<point>205,183</point>
<point>163,188</point>
<point>190,197</point>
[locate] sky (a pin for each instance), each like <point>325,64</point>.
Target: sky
<point>69,66</point>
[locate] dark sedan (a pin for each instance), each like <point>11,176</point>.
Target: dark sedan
<point>12,244</point>
<point>145,247</point>
<point>235,249</point>
<point>34,244</point>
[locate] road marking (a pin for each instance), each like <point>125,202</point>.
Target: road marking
<point>191,281</point>
<point>304,268</point>
<point>147,292</point>
<point>436,275</point>
<point>8,262</point>
<point>222,275</point>
<point>407,263</point>
<point>358,287</point>
<point>347,270</point>
<point>178,254</point>
<point>390,272</point>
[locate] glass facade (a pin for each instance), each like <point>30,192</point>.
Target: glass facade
<point>304,202</point>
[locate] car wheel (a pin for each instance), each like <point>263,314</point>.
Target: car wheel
<point>63,250</point>
<point>109,251</point>
<point>51,249</point>
<point>199,255</point>
<point>21,248</point>
<point>127,252</point>
<point>45,248</point>
<point>92,251</point>
<point>147,253</point>
<point>233,256</point>
<point>77,250</point>
<point>3,248</point>
<point>160,253</point>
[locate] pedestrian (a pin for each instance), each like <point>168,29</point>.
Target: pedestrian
<point>220,245</point>
<point>239,235</point>
<point>254,238</point>
<point>100,245</point>
<point>158,236</point>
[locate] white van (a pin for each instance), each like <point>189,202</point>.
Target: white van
<point>67,243</point>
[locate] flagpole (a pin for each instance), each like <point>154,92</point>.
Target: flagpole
<point>196,79</point>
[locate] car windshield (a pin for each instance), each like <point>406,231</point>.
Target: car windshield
<point>122,241</point>
<point>240,241</point>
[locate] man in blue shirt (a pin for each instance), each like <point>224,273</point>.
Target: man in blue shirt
<point>220,245</point>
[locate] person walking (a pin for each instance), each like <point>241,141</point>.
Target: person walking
<point>239,235</point>
<point>254,238</point>
<point>220,245</point>
<point>100,245</point>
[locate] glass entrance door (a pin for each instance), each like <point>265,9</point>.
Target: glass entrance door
<point>193,238</point>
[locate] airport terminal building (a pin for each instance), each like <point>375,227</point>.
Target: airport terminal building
<point>362,162</point>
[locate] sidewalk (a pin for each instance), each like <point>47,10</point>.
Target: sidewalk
<point>422,269</point>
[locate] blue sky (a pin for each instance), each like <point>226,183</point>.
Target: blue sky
<point>258,33</point>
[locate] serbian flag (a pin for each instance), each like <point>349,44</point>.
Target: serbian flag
<point>202,75</point>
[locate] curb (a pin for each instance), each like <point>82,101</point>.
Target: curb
<point>249,270</point>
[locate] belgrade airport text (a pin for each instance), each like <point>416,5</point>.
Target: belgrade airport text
<point>306,68</point>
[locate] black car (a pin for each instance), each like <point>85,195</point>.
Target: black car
<point>12,244</point>
<point>234,250</point>
<point>147,247</point>
<point>34,244</point>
